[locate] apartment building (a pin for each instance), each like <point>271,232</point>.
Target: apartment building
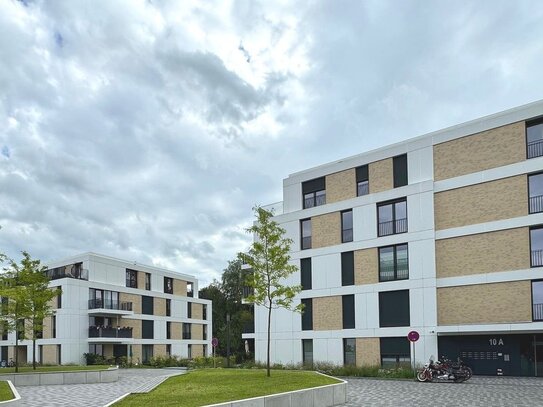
<point>116,308</point>
<point>441,234</point>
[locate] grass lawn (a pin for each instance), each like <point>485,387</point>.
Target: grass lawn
<point>41,369</point>
<point>209,386</point>
<point>5,391</point>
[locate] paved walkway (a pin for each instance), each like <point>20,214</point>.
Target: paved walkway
<point>95,395</point>
<point>478,391</point>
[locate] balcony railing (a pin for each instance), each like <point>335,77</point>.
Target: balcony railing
<point>67,272</point>
<point>537,310</point>
<point>537,258</point>
<point>535,148</point>
<point>109,332</point>
<point>110,304</point>
<point>389,272</point>
<point>393,227</point>
<point>536,204</point>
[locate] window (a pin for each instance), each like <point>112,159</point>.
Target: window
<point>307,351</point>
<point>189,309</point>
<point>393,263</point>
<point>394,351</point>
<point>534,138</point>
<point>105,299</point>
<point>59,354</point>
<point>399,165</point>
<point>362,181</point>
<point>168,285</point>
<point>536,246</point>
<point>146,353</point>
<point>305,226</point>
<point>204,311</point>
<point>314,192</point>
<point>186,331</point>
<point>169,349</point>
<point>59,300</point>
<point>148,281</point>
<point>347,226</point>
<point>535,192</point>
<point>40,354</point>
<point>131,278</point>
<point>349,351</point>
<point>537,300</point>
<point>147,329</point>
<point>53,326</point>
<point>347,268</point>
<point>168,330</point>
<point>307,314</point>
<point>21,329</point>
<point>204,350</point>
<point>190,292</point>
<point>204,332</point>
<point>146,305</point>
<point>305,272</point>
<point>394,308</point>
<point>348,311</point>
<point>189,351</point>
<point>392,217</point>
<point>168,307</point>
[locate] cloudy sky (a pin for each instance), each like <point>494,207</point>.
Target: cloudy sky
<point>147,130</point>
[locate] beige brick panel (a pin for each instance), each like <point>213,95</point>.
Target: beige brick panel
<point>197,311</point>
<point>341,186</point>
<point>141,280</point>
<point>501,199</point>
<point>159,306</point>
<point>134,299</point>
<point>485,303</point>
<point>327,313</point>
<point>197,351</point>
<point>503,250</point>
<point>326,230</point>
<point>179,287</point>
<point>108,350</point>
<point>481,151</point>
<point>366,266</point>
<point>380,176</point>
<point>135,324</point>
<point>52,303</point>
<point>50,354</point>
<point>159,350</point>
<point>176,330</point>
<point>136,353</point>
<point>47,328</point>
<point>368,352</point>
<point>197,331</point>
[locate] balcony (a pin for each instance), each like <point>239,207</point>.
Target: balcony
<point>68,272</point>
<point>106,307</point>
<point>535,148</point>
<point>393,227</point>
<point>537,258</point>
<point>537,310</point>
<point>390,273</point>
<point>110,332</point>
<point>536,204</point>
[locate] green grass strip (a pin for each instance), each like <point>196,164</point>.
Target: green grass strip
<point>5,391</point>
<point>210,386</point>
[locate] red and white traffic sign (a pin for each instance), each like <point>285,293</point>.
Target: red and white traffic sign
<point>413,336</point>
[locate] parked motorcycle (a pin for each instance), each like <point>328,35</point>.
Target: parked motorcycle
<point>444,369</point>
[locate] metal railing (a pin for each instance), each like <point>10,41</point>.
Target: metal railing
<point>347,235</point>
<point>392,227</point>
<point>537,310</point>
<point>67,272</point>
<point>537,258</point>
<point>314,200</point>
<point>110,304</point>
<point>363,188</point>
<point>389,272</point>
<point>109,332</point>
<point>535,148</point>
<point>536,204</point>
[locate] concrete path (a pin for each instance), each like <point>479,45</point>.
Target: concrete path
<point>478,391</point>
<point>95,395</point>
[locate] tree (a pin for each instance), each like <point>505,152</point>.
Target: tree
<point>269,259</point>
<point>25,295</point>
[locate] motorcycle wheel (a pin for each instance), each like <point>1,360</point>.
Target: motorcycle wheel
<point>421,376</point>
<point>469,372</point>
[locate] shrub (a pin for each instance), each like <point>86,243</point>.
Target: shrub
<point>94,359</point>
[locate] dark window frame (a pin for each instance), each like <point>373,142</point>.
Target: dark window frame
<point>59,300</point>
<point>362,180</point>
<point>168,289</point>
<point>345,234</point>
<point>348,311</point>
<point>304,361</point>
<point>395,256</point>
<point>394,322</point>
<point>540,255</point>
<point>53,326</point>
<point>537,150</point>
<point>306,278</point>
<point>147,329</point>
<point>307,314</point>
<point>189,309</point>
<point>187,330</point>
<point>536,201</point>
<point>148,281</point>
<point>397,173</point>
<point>147,305</point>
<point>168,307</point>
<point>347,269</point>
<point>168,330</point>
<point>345,352</point>
<point>305,245</point>
<point>394,217</point>
<point>131,278</point>
<point>540,309</point>
<point>396,353</point>
<point>310,189</point>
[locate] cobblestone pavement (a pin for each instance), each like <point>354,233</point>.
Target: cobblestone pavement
<point>478,391</point>
<point>95,395</point>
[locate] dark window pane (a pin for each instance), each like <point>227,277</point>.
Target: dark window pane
<point>168,285</point>
<point>362,173</point>
<point>386,263</point>
<point>536,193</point>
<point>394,308</point>
<point>146,305</point>
<point>402,262</point>
<point>348,312</point>
<point>385,213</point>
<point>363,188</point>
<point>392,218</point>
<point>537,300</point>
<point>400,170</point>
<point>349,351</point>
<point>347,268</point>
<point>347,226</point>
<point>394,351</point>
<point>306,233</point>
<point>314,185</point>
<point>307,315</point>
<point>305,271</point>
<point>307,351</point>
<point>534,135</point>
<point>147,329</point>
<point>536,243</point>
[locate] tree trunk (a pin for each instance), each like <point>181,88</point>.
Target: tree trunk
<point>34,351</point>
<point>269,330</point>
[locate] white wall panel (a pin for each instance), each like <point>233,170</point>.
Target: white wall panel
<point>292,197</point>
<point>365,222</point>
<point>326,271</point>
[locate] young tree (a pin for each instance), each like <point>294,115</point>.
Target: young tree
<point>269,258</point>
